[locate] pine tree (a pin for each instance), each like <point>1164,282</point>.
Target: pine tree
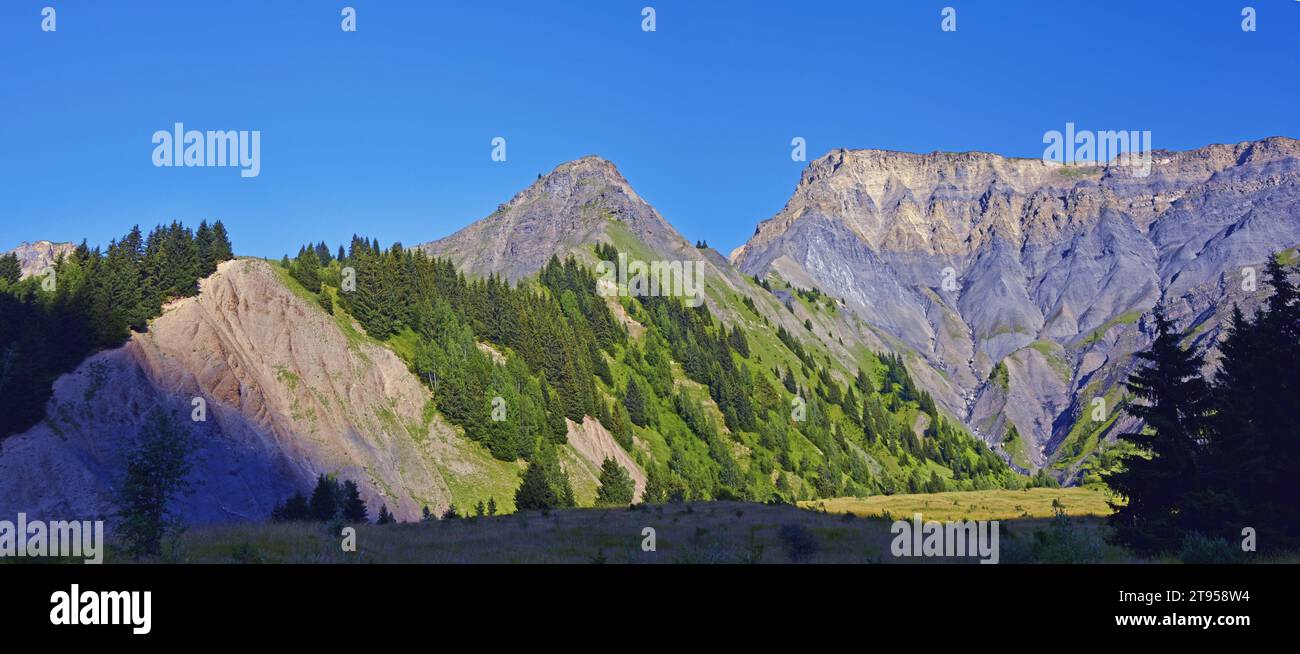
<point>616,485</point>
<point>157,464</point>
<point>635,403</point>
<point>1252,466</point>
<point>492,506</point>
<point>738,342</point>
<point>622,429</point>
<point>324,502</point>
<point>323,254</point>
<point>557,428</point>
<point>10,268</point>
<point>203,244</point>
<point>221,249</point>
<point>354,509</point>
<point>384,516</point>
<point>294,509</point>
<point>863,383</point>
<point>534,492</point>
<point>656,491</point>
<point>1174,406</point>
<point>306,269</point>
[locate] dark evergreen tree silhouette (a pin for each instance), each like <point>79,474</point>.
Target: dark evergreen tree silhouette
<point>324,502</point>
<point>1174,405</point>
<point>354,509</point>
<point>10,268</point>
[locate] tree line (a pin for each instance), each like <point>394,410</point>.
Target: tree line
<point>93,300</point>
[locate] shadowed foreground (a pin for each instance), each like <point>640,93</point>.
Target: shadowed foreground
<point>707,532</point>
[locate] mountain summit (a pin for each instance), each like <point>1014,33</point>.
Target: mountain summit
<point>575,204</point>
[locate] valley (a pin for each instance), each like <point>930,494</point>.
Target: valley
<point>940,324</point>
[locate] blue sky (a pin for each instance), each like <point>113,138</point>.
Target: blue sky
<point>387,131</point>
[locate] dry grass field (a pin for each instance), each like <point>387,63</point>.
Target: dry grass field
<point>975,505</point>
<point>842,530</point>
<point>704,532</point>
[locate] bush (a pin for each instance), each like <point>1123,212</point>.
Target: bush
<point>246,553</point>
<point>1063,542</point>
<point>799,543</point>
<point>1198,548</point>
<point>326,302</point>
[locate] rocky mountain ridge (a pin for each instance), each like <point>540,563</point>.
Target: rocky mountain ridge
<point>966,261</point>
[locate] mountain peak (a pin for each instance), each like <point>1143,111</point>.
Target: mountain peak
<point>573,179</point>
<point>571,206</point>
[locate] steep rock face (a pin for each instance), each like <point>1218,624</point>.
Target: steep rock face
<point>35,257</point>
<point>971,259</point>
<point>591,441</point>
<point>288,396</point>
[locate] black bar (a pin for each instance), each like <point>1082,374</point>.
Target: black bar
<point>1002,601</point>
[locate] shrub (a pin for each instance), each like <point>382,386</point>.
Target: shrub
<point>1198,548</point>
<point>799,543</point>
<point>1064,542</point>
<point>246,553</point>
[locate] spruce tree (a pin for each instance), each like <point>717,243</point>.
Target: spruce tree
<point>622,429</point>
<point>656,489</point>
<point>221,249</point>
<point>635,403</point>
<point>157,464</point>
<point>616,485</point>
<point>354,509</point>
<point>324,502</point>
<point>294,509</point>
<point>10,268</point>
<point>204,245</point>
<point>535,492</point>
<point>1174,405</point>
<point>1253,460</point>
<point>384,516</point>
<point>306,269</point>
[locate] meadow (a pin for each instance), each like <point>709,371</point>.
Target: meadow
<point>976,505</point>
<point>844,530</point>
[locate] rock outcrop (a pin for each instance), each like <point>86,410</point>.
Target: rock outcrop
<point>591,441</point>
<point>288,395</point>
